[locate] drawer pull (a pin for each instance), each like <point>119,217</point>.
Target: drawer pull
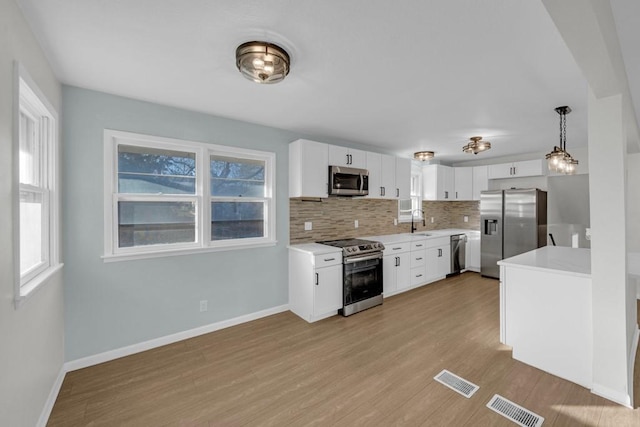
<point>329,259</point>
<point>418,246</point>
<point>396,249</point>
<point>418,275</point>
<point>418,259</point>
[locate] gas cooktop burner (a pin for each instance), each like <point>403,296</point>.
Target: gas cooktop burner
<point>355,246</point>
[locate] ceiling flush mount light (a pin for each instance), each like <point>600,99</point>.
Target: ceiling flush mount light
<point>476,145</point>
<point>262,62</point>
<point>559,160</point>
<point>423,155</point>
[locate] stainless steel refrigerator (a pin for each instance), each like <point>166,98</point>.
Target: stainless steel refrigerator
<point>512,222</point>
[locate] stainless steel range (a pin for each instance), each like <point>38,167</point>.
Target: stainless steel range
<point>361,272</point>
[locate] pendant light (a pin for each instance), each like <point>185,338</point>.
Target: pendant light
<point>262,62</point>
<point>476,145</point>
<point>559,160</point>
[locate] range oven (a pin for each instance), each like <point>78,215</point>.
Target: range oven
<point>361,274</point>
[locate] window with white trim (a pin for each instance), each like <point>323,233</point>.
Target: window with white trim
<point>37,196</point>
<point>165,196</point>
<point>413,205</point>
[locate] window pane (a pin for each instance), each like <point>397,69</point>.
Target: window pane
<point>31,227</point>
<point>29,167</point>
<point>143,170</point>
<point>237,220</point>
<point>235,177</point>
<point>153,223</point>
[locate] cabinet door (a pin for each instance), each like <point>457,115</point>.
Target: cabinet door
<point>473,253</point>
<point>529,168</point>
<point>446,183</point>
<point>429,182</point>
<point>480,181</point>
<point>327,289</point>
<point>389,267</point>
<point>339,156</point>
<point>358,158</point>
<point>375,175</point>
<point>388,165</point>
<point>432,263</point>
<point>463,183</point>
<point>403,271</point>
<point>403,178</point>
<point>502,170</point>
<point>444,260</point>
<point>308,169</point>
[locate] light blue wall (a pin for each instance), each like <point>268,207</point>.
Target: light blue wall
<point>111,305</point>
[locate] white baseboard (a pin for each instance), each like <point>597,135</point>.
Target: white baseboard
<point>621,398</point>
<point>169,339</point>
<point>51,399</point>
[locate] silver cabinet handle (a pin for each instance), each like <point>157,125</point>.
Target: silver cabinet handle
<point>317,279</point>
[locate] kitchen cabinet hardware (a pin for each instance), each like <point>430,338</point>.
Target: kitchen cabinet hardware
<point>397,261</point>
<point>396,249</point>
<point>418,245</point>
<point>419,258</point>
<point>317,279</point>
<point>439,253</point>
<point>329,259</point>
<point>418,275</point>
<point>397,192</point>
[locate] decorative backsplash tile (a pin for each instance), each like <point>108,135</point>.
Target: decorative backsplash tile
<point>334,218</point>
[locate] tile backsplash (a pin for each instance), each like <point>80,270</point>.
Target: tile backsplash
<point>334,218</point>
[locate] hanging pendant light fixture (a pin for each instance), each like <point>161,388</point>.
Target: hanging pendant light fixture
<point>423,155</point>
<point>559,160</point>
<point>262,62</point>
<point>476,145</point>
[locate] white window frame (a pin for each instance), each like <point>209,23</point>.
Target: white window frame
<point>30,101</point>
<point>415,196</point>
<point>201,198</point>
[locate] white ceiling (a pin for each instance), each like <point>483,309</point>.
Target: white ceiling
<point>398,75</point>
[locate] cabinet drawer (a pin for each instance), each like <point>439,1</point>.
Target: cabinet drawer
<point>418,259</point>
<point>419,245</point>
<point>396,248</point>
<point>418,276</point>
<point>438,242</point>
<point>328,259</point>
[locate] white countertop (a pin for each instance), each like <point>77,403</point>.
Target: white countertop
<point>574,261</point>
<point>316,248</point>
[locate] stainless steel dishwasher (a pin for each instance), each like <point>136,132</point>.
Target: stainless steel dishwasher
<point>458,253</point>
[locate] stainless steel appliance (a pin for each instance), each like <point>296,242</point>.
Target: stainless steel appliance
<point>345,181</point>
<point>458,253</point>
<point>512,222</point>
<point>361,272</point>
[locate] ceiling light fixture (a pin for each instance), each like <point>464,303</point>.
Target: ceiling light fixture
<point>262,62</point>
<point>423,155</point>
<point>476,145</point>
<point>559,160</point>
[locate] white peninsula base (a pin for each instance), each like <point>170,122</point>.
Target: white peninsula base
<point>545,311</point>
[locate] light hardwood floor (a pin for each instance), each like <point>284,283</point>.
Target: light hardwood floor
<point>373,368</point>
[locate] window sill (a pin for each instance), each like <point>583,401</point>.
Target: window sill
<point>30,288</point>
<point>180,252</point>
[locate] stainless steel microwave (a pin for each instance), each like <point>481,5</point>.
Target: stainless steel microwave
<point>348,181</point>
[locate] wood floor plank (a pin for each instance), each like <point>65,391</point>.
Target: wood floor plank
<point>373,368</point>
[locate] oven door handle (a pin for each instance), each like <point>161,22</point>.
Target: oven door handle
<point>362,258</point>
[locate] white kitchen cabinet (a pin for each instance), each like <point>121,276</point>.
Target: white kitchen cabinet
<point>343,156</point>
<point>382,176</point>
<point>418,262</point>
<point>438,258</point>
<point>480,181</point>
<point>403,178</point>
<point>463,183</point>
<point>517,169</point>
<point>438,182</point>
<point>315,284</point>
<point>396,267</point>
<point>308,169</point>
<point>472,254</point>
<point>388,177</point>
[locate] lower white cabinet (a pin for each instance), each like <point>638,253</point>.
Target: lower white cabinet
<point>472,255</point>
<point>396,266</point>
<point>315,284</point>
<point>438,258</point>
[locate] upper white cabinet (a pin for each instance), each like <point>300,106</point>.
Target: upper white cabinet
<point>438,182</point>
<point>480,181</point>
<point>308,169</point>
<point>382,176</point>
<point>403,178</point>
<point>517,169</point>
<point>463,183</point>
<point>343,156</point>
<point>388,177</point>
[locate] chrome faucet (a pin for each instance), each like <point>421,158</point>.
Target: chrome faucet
<point>413,227</point>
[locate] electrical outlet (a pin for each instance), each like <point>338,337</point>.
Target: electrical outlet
<point>355,223</point>
<point>308,226</point>
<point>203,305</point>
<point>431,220</point>
<point>395,221</point>
<point>466,218</point>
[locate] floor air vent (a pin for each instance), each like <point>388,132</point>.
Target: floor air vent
<point>515,413</point>
<point>456,383</point>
